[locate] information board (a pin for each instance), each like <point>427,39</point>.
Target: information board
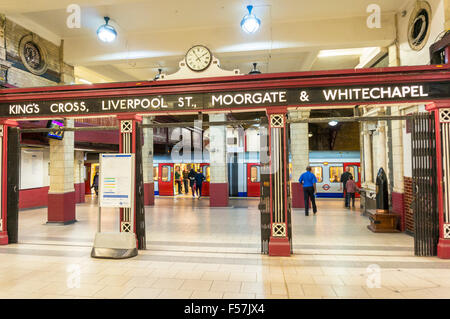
<point>116,180</point>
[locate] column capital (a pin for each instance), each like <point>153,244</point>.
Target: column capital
<point>299,113</point>
<point>276,110</point>
<point>9,122</point>
<point>434,106</point>
<point>127,117</point>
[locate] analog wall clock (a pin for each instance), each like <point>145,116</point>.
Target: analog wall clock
<point>198,58</point>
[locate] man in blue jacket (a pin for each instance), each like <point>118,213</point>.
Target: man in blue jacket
<point>308,180</point>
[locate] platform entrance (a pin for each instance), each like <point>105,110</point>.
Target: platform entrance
<point>273,94</point>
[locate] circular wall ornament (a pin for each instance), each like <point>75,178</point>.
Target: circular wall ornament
<point>33,56</point>
<point>419,25</point>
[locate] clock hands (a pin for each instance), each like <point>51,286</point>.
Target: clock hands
<point>202,56</point>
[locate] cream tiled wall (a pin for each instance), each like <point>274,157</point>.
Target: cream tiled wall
<point>218,154</point>
<point>299,143</point>
<point>62,162</point>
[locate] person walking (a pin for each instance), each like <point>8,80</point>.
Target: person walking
<point>191,177</point>
<point>344,178</point>
<point>309,180</point>
<point>95,183</point>
<point>186,180</point>
<point>178,179</point>
<point>351,189</point>
<point>199,178</point>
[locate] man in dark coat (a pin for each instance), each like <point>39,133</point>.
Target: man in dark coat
<point>186,181</point>
<point>344,178</point>
<point>199,178</point>
<point>191,177</point>
<point>95,183</point>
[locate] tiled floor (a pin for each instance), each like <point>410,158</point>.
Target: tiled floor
<point>197,252</point>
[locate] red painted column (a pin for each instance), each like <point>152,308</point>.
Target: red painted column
<point>61,194</point>
<point>280,210</point>
<point>298,199</point>
<point>218,187</point>
<point>442,121</point>
<point>4,124</point>
<point>130,141</point>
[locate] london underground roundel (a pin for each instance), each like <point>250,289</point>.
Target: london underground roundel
<point>326,187</point>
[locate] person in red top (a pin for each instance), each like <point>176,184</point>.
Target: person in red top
<point>351,189</point>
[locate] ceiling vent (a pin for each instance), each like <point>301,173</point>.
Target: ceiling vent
<point>419,25</point>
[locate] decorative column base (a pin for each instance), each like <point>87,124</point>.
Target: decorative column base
<point>279,246</point>
<point>443,248</point>
<point>149,194</point>
<point>61,208</point>
<point>298,200</point>
<point>3,238</point>
<point>218,195</point>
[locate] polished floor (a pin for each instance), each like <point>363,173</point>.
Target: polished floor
<point>194,251</point>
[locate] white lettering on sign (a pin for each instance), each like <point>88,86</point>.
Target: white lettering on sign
<point>184,101</point>
<point>19,109</point>
<point>132,104</point>
<point>376,93</point>
<point>249,98</point>
<point>68,107</point>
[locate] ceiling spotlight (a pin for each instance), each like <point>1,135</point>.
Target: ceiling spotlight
<point>333,123</point>
<point>106,33</point>
<point>250,23</point>
<point>255,70</point>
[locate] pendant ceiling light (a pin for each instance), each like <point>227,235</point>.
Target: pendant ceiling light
<point>255,70</point>
<point>157,76</point>
<point>250,23</point>
<point>106,32</point>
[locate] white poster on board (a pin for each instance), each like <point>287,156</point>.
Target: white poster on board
<point>31,168</point>
<point>116,180</point>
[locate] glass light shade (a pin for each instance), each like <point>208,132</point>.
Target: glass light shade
<point>250,23</point>
<point>106,33</point>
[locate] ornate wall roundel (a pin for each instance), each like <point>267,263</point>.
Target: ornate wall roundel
<point>419,25</point>
<point>33,55</point>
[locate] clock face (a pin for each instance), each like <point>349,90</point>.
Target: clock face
<point>198,58</point>
<point>32,55</point>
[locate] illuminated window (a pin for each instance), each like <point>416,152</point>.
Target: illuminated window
<point>354,170</point>
<point>254,174</point>
<point>166,176</point>
<point>335,174</point>
<point>206,172</point>
<point>155,173</point>
<point>317,171</point>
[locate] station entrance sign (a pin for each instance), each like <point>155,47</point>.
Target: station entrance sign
<point>332,95</point>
